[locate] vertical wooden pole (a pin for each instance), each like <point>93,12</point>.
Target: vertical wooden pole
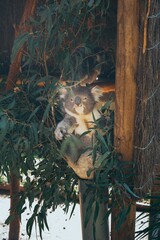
<point>125,102</point>
<point>95,230</point>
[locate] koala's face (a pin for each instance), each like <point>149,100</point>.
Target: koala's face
<point>79,100</point>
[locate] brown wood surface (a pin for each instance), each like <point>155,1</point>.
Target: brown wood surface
<point>125,99</point>
<point>14,227</point>
<point>23,27</point>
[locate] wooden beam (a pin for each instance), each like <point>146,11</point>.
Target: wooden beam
<point>125,101</point>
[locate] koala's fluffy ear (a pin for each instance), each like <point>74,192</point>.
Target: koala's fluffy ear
<point>62,93</point>
<point>97,92</point>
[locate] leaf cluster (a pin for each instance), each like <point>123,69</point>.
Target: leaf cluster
<point>28,148</point>
<point>62,33</point>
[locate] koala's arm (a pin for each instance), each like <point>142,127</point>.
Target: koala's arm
<point>66,126</point>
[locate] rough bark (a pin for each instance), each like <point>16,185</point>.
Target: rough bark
<point>147,121</point>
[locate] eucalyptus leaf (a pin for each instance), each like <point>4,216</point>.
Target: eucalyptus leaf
<point>18,44</point>
<point>60,39</point>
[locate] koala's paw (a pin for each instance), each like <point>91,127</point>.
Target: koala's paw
<point>60,132</point>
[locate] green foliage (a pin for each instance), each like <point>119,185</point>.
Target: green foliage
<point>61,35</point>
<point>27,145</point>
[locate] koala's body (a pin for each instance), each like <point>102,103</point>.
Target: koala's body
<point>80,108</point>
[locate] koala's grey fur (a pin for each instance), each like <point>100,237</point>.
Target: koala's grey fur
<point>80,107</point>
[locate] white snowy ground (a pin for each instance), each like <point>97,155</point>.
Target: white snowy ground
<point>61,227</point>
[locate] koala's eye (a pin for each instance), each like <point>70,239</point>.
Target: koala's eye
<point>71,99</point>
<point>85,98</point>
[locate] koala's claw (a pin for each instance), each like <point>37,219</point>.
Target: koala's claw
<point>60,132</point>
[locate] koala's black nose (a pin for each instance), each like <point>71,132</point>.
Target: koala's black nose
<point>77,101</point>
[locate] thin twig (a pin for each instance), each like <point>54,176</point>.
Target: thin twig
<point>145,28</point>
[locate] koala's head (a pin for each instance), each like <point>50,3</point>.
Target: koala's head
<point>80,100</point>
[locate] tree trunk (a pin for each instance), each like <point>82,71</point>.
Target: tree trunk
<point>147,121</point>
<point>14,228</point>
<point>23,27</point>
<point>125,102</point>
<point>10,16</point>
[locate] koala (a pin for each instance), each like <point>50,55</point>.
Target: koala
<point>80,110</point>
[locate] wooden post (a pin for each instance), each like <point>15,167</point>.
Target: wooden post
<point>125,100</point>
<point>99,227</point>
